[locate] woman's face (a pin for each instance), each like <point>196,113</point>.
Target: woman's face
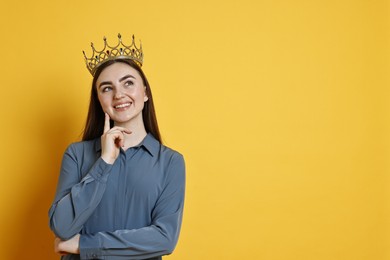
<point>121,92</point>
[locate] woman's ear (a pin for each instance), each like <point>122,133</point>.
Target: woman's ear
<point>145,95</point>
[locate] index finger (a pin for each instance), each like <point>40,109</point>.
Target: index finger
<point>106,123</point>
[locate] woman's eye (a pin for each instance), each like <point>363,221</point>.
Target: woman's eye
<point>106,89</point>
<point>129,83</point>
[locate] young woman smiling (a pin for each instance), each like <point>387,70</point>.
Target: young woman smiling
<point>120,193</point>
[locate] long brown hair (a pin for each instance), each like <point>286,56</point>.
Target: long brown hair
<point>94,124</point>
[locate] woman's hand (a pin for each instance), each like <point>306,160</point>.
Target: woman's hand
<point>68,246</point>
<point>112,140</point>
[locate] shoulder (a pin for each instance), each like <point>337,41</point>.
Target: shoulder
<point>174,165</point>
<point>171,153</point>
<point>173,160</point>
<point>163,154</point>
<point>83,147</point>
<point>159,150</point>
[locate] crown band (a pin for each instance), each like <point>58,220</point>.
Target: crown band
<point>119,51</point>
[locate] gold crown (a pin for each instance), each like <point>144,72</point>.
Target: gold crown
<point>119,51</point>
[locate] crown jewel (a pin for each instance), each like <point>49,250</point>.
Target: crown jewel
<point>119,51</point>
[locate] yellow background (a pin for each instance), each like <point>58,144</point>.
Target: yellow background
<point>280,107</point>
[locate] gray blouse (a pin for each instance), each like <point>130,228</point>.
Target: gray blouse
<point>129,210</point>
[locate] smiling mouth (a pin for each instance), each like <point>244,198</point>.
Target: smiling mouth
<point>122,105</point>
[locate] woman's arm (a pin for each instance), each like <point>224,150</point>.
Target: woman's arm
<point>76,198</point>
<point>68,246</point>
<point>158,239</point>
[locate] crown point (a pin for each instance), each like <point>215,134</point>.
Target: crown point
<point>113,52</point>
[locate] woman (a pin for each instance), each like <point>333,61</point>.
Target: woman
<point>120,192</point>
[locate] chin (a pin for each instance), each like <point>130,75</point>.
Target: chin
<point>122,119</point>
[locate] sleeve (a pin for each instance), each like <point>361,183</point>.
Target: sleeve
<point>158,239</point>
<point>76,198</point>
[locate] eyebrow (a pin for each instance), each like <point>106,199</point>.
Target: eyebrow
<point>126,77</point>
<point>120,80</point>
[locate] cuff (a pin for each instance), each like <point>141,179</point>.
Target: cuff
<point>100,170</point>
<point>89,247</point>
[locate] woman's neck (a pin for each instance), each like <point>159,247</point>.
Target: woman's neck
<point>138,133</point>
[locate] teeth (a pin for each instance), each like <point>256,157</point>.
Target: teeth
<point>122,105</point>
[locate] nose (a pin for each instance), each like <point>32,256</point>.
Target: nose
<point>118,94</point>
